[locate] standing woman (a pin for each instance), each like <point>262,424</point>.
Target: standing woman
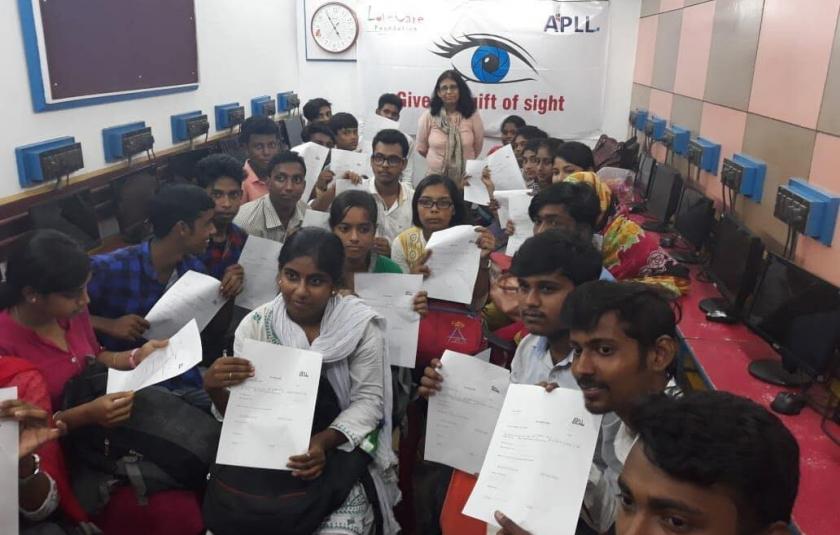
<point>451,131</point>
<point>310,314</point>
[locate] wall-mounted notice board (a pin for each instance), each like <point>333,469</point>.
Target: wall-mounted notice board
<point>82,52</point>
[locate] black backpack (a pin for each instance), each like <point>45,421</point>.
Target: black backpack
<point>261,501</point>
<point>167,443</point>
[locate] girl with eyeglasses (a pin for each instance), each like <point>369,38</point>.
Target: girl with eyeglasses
<point>450,132</point>
<point>437,205</point>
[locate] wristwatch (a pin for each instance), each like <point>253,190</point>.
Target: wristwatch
<point>36,460</point>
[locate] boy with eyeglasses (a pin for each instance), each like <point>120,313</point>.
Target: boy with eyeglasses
<point>392,194</point>
<point>275,215</point>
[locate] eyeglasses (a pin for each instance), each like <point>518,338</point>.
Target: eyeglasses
<point>427,203</point>
<point>393,161</point>
<point>448,88</point>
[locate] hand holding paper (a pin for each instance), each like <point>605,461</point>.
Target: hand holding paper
<point>453,264</point>
<point>269,417</point>
<point>475,191</point>
<point>181,353</point>
<point>194,295</point>
<point>315,156</point>
<point>345,160</point>
<point>513,206</point>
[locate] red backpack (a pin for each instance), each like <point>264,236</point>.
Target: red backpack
<point>449,326</point>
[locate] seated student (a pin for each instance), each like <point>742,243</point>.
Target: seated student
<point>437,205</point>
<point>45,322</point>
<point>318,133</point>
<point>317,110</point>
<point>538,158</point>
<point>309,314</point>
<point>572,157</point>
<point>547,268</point>
<point>126,283</point>
<point>261,138</point>
<point>346,130</point>
<point>707,463</point>
<point>280,212</point>
<point>523,135</point>
<point>510,125</point>
<point>389,106</point>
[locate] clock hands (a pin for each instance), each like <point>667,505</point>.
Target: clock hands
<point>335,28</point>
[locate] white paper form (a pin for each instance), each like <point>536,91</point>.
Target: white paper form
<point>194,295</point>
<point>463,414</point>
<point>269,417</point>
<point>516,208</point>
<point>315,218</point>
<point>476,192</point>
<point>343,184</point>
<point>505,170</point>
<point>372,125</point>
<point>342,161</point>
<point>8,468</point>
<point>259,260</point>
<point>314,156</point>
<point>392,296</point>
<point>538,462</point>
<point>453,264</point>
<point>182,353</point>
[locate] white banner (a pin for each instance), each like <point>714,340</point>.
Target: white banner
<point>543,60</point>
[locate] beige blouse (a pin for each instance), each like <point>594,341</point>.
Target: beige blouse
<point>432,140</point>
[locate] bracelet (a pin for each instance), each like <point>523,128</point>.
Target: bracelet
<point>131,360</point>
<point>37,461</point>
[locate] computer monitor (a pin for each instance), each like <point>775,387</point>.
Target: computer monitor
<point>693,221</point>
<point>291,129</point>
<point>132,194</point>
<point>799,315</point>
<point>734,266</point>
<point>663,197</point>
<point>647,164</point>
<point>74,215</point>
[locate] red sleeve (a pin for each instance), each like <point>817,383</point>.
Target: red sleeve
<point>84,323</point>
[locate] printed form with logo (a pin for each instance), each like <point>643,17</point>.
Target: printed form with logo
<point>537,465</point>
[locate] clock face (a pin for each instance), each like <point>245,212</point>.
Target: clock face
<point>334,27</point>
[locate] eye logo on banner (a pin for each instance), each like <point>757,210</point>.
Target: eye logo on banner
<point>491,61</point>
<point>513,60</point>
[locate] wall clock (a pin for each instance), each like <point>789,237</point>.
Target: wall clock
<point>334,27</point>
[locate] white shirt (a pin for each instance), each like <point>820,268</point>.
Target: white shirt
<point>259,218</point>
<point>532,364</point>
<point>391,221</point>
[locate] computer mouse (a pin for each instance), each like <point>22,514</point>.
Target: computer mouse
<point>666,241</point>
<point>789,403</point>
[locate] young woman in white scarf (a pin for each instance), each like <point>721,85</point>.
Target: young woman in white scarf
<point>310,314</point>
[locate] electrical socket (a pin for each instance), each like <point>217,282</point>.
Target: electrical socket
<point>668,138</point>
<point>792,209</point>
<point>695,153</point>
<point>61,161</point>
<point>293,100</point>
<point>137,141</point>
<point>732,174</point>
<point>197,126</point>
<point>268,108</point>
<point>236,115</point>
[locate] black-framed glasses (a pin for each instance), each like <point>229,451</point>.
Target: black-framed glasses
<point>393,160</point>
<point>428,203</point>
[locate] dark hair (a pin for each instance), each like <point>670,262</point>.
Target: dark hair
<point>515,120</point>
<point>179,202</point>
<point>286,156</point>
<point>466,104</point>
<point>390,136</point>
<point>531,132</point>
<point>535,144</point>
<point>576,153</point>
<point>645,311</point>
<point>459,217</point>
<point>558,250</point>
<point>342,120</point>
<point>353,199</point>
<point>46,260</point>
<point>211,168</point>
<point>316,128</point>
<point>322,246</point>
<point>390,98</point>
<point>717,438</point>
<point>579,200</point>
<point>313,107</point>
<point>258,126</point>
<point>555,143</point>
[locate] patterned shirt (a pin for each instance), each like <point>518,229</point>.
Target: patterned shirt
<point>259,218</point>
<point>125,282</point>
<point>221,255</point>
